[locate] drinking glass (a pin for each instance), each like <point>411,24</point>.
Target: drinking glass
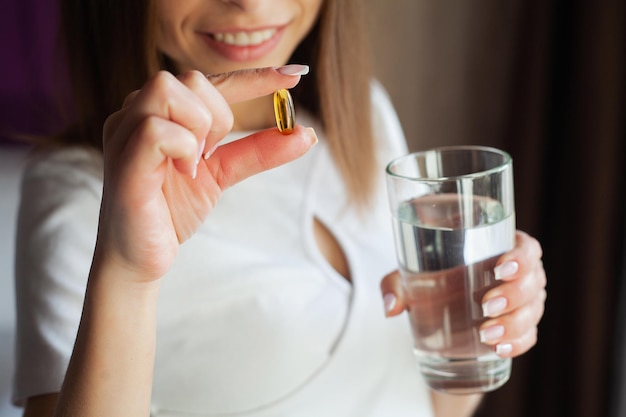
<point>453,214</point>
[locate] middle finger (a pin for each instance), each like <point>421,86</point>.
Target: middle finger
<point>515,293</point>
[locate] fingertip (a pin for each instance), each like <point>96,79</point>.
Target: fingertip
<point>210,152</point>
<point>504,350</point>
<point>311,136</point>
<point>293,69</point>
<point>390,301</point>
<point>307,135</point>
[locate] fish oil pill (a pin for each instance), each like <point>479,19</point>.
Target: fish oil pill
<point>284,111</point>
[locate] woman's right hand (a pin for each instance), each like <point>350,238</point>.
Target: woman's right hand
<point>157,192</point>
<point>158,189</point>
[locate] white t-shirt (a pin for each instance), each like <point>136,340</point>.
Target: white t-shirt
<point>252,320</point>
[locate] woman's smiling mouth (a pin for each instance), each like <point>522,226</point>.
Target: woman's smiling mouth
<point>252,38</point>
<point>244,45</point>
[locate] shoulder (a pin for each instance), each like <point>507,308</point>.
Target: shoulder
<point>55,176</point>
<point>59,205</point>
<point>72,165</point>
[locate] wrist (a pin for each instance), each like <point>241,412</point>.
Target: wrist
<point>111,368</point>
<point>109,261</point>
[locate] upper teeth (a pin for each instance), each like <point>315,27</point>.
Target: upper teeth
<point>245,38</point>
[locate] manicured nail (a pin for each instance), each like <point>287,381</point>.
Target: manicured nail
<point>200,150</point>
<point>389,300</point>
<point>494,306</point>
<point>504,349</point>
<point>491,333</point>
<point>506,269</point>
<point>312,135</point>
<point>293,69</point>
<point>208,153</point>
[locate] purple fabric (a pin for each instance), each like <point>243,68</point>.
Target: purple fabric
<point>30,71</point>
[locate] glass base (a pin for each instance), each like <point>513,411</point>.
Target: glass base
<point>465,376</point>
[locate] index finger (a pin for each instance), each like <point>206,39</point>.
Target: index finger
<point>246,84</point>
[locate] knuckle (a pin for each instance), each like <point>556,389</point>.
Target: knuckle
<point>193,79</point>
<point>163,82</point>
<point>525,342</point>
<point>149,130</point>
<point>219,79</point>
<point>390,281</point>
<point>519,321</point>
<point>517,291</point>
<point>225,78</point>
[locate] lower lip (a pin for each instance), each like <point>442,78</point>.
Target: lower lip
<point>243,53</point>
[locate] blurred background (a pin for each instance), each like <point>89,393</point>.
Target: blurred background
<point>542,79</point>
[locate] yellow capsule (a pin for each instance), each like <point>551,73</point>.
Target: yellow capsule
<point>284,111</point>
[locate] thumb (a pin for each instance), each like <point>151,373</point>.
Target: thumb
<point>393,294</point>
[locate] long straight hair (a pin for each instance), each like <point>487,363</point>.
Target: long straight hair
<point>112,50</point>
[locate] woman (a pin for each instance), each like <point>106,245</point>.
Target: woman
<point>264,303</point>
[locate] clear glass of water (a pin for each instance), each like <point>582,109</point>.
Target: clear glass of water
<point>453,214</point>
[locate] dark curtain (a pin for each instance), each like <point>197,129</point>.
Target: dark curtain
<point>618,377</point>
<point>31,75</point>
<point>564,126</point>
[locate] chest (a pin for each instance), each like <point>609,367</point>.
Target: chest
<point>261,295</point>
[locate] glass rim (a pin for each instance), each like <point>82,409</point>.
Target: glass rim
<point>506,162</point>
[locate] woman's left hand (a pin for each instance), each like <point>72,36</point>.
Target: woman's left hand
<point>513,309</point>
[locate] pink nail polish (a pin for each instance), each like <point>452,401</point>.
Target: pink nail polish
<point>390,302</point>
<point>293,69</point>
<point>208,153</point>
<point>506,269</point>
<point>200,150</point>
<point>491,333</point>
<point>504,349</point>
<point>495,306</point>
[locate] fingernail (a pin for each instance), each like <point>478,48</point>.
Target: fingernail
<point>491,333</point>
<point>506,269</point>
<point>208,153</point>
<point>494,306</point>
<point>200,150</point>
<point>293,69</point>
<point>312,136</point>
<point>504,349</point>
<point>389,300</point>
